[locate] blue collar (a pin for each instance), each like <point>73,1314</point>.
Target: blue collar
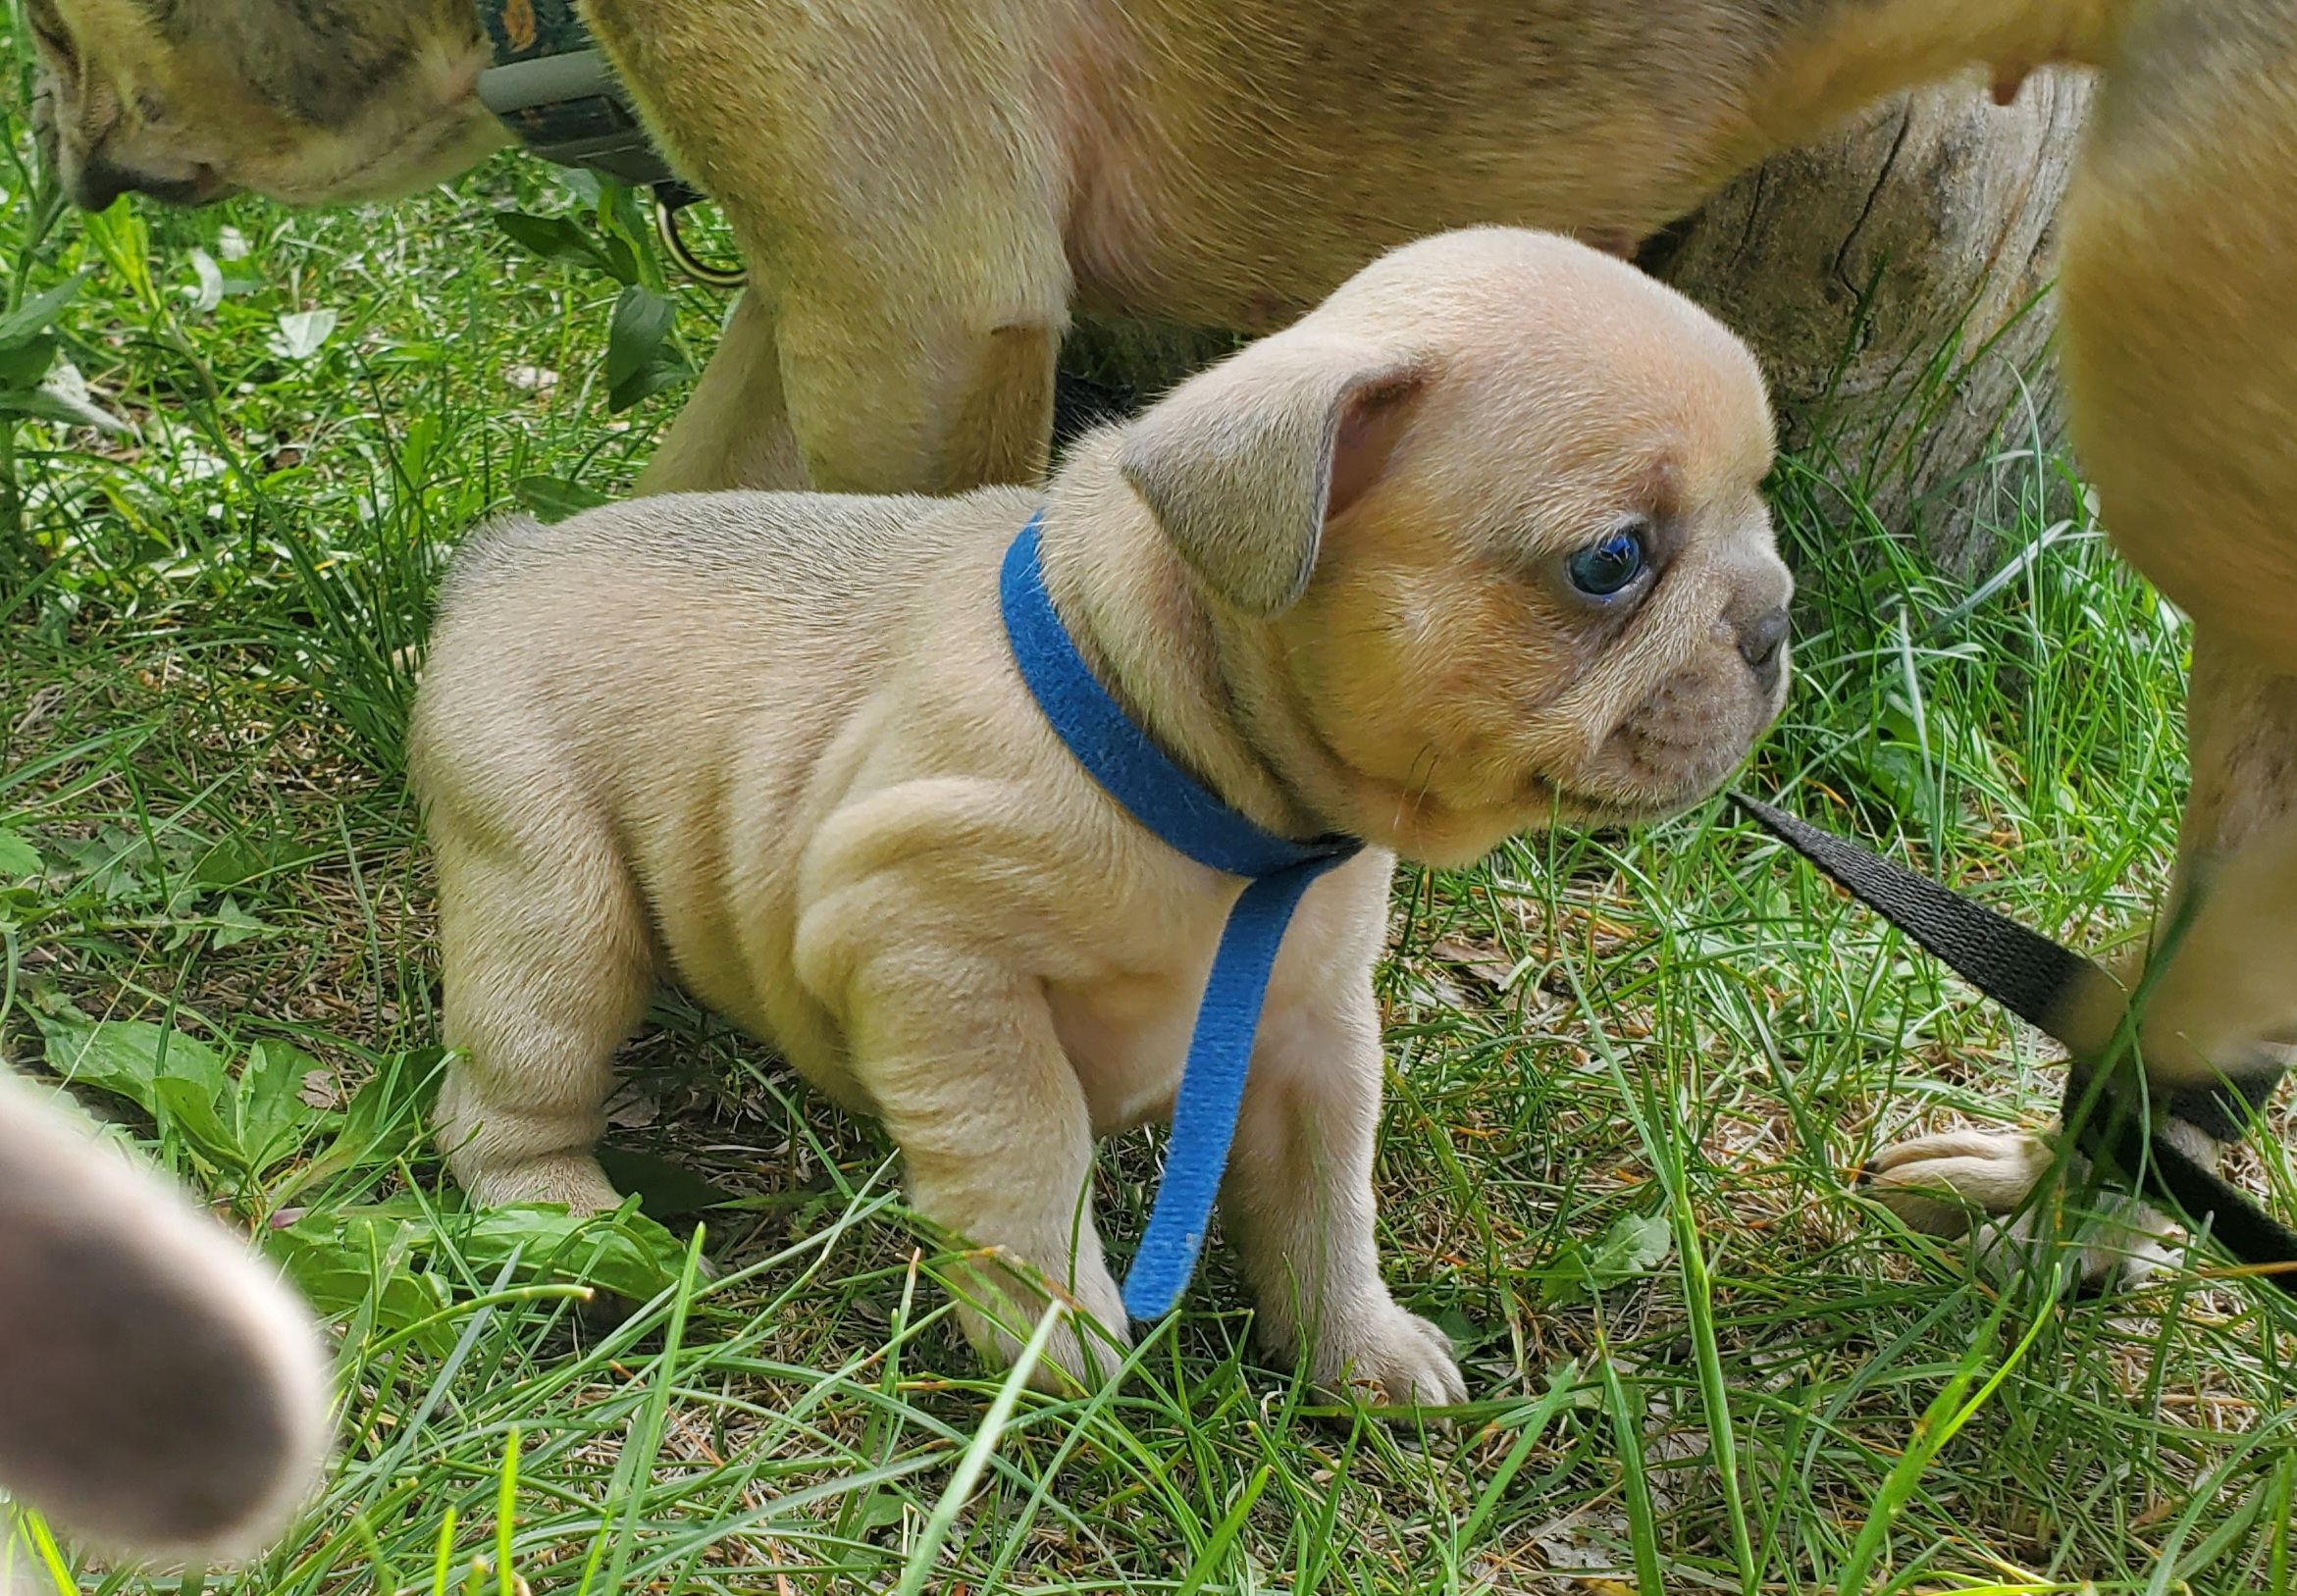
<point>1191,820</point>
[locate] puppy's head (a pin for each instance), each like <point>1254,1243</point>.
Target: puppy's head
<point>1493,514</point>
<point>308,103</point>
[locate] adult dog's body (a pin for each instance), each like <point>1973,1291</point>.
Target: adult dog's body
<point>925,189</point>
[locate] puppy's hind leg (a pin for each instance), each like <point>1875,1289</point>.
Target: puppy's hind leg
<point>547,960</point>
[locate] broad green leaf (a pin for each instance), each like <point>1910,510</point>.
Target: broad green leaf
<point>641,324</point>
<point>270,1118</point>
<point>1634,1246</point>
<point>639,360</point>
<point>23,365</point>
<point>619,259</point>
<point>17,858</point>
<point>397,1257</point>
<point>554,498</point>
<point>385,1121</point>
<point>564,241</point>
<point>129,1058</point>
<point>32,318</point>
<point>229,863</point>
<point>624,1253</point>
<point>233,925</point>
<point>666,371</point>
<point>197,1114</point>
<point>350,1260</point>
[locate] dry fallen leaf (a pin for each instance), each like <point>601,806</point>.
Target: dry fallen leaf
<point>1487,965</point>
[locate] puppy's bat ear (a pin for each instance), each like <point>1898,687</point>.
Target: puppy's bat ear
<point>1242,465</point>
<point>162,1395</point>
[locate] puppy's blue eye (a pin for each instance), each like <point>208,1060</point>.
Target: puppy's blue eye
<point>1605,569</point>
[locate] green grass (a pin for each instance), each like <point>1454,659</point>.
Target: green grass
<point>1629,1076</point>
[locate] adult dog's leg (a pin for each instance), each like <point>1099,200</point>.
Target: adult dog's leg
<point>2230,988</point>
<point>2242,719</point>
<point>869,391</point>
<point>900,188</point>
<point>2179,320</point>
<point>735,429</point>
<point>888,397</point>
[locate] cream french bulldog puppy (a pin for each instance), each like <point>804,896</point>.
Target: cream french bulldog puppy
<point>1476,547</point>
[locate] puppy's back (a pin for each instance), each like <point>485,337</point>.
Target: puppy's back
<point>622,659</point>
<point>804,550</point>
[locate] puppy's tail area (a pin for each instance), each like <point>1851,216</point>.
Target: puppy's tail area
<point>161,1394</point>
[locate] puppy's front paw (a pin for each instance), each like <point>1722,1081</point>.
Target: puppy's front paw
<point>1391,1359</point>
<point>1079,1355</point>
<point>1941,1184</point>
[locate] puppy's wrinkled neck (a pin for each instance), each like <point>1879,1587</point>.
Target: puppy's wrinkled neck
<point>1187,675</point>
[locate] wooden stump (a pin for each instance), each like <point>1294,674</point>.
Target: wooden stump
<point>1892,279</point>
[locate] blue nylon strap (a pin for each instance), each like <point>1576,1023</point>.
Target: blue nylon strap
<point>1212,1088</point>
<point>1181,811</point>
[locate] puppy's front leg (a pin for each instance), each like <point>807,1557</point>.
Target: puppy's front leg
<point>1298,1201</point>
<point>961,1062</point>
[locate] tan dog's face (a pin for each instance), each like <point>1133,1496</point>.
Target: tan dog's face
<point>1544,586</point>
<point>308,103</point>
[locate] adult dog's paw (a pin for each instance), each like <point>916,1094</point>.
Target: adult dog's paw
<point>1941,1185</point>
<point>1964,1182</point>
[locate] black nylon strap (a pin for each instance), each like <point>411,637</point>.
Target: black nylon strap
<point>2022,970</point>
<point>2030,975</point>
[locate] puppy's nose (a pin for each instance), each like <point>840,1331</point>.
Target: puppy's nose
<point>1761,642</point>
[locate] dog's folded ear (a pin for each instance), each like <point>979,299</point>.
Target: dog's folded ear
<point>161,1394</point>
<point>1242,465</point>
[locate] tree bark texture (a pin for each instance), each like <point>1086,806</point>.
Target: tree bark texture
<point>1892,281</point>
